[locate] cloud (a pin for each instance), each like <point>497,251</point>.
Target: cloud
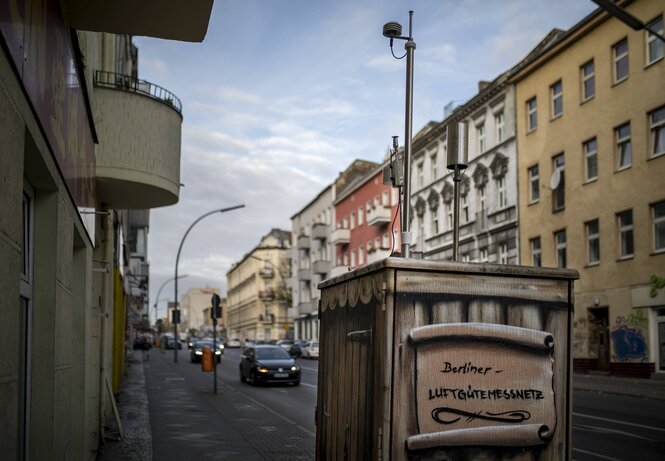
<point>228,93</point>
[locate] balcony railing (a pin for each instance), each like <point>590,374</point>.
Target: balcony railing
<point>135,85</point>
<point>378,216</point>
<point>320,231</point>
<point>267,272</point>
<point>266,294</point>
<point>340,236</point>
<point>303,241</point>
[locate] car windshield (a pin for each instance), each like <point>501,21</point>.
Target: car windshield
<point>271,353</point>
<point>202,344</point>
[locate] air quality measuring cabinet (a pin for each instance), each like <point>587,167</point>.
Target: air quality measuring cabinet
<point>438,360</point>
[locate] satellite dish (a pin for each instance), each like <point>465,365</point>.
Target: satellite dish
<point>555,179</point>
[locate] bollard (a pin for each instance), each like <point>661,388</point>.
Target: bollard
<point>207,359</point>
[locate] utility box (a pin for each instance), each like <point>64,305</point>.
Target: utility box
<point>425,360</point>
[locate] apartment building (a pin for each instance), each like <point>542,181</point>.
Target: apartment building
<point>488,189</point>
<point>258,290</point>
<point>311,260</point>
<point>195,305</point>
<point>83,139</point>
<point>591,142</point>
<point>366,222</point>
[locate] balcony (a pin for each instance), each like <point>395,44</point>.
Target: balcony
<point>305,308</point>
<point>266,295</point>
<point>303,242</point>
<point>305,273</point>
<point>378,216</point>
<point>340,236</point>
<point>266,318</point>
<point>267,272</point>
<point>320,231</point>
<point>169,19</point>
<point>321,267</point>
<point>138,156</point>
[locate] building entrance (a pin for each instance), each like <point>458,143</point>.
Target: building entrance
<point>599,336</point>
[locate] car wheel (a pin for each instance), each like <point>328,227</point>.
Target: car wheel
<point>297,383</point>
<point>242,377</point>
<point>252,378</point>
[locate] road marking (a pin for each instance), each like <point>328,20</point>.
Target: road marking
<point>620,422</point>
<point>596,454</point>
<point>309,369</point>
<point>308,385</point>
<point>603,430</point>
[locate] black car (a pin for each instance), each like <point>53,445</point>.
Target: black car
<point>197,350</point>
<point>268,364</point>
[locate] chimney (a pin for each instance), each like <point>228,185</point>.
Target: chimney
<point>482,85</point>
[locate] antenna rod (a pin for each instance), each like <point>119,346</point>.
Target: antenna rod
<point>408,122</point>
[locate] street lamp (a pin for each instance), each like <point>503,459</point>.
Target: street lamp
<point>158,299</point>
<point>625,17</point>
<point>393,31</point>
<point>175,296</point>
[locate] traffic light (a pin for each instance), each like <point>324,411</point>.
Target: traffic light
<point>216,311</point>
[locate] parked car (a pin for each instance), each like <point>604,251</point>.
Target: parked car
<point>285,344</point>
<point>170,342</point>
<point>268,364</point>
<point>311,350</point>
<point>233,343</point>
<point>296,348</point>
<point>197,350</point>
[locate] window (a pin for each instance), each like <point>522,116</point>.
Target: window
<point>435,222</point>
<point>556,97</point>
<point>386,241</point>
<point>421,179</point>
<point>432,160</point>
<point>534,181</point>
<point>346,222</point>
<point>593,242</point>
<point>500,125</point>
<point>353,220</point>
<point>395,196</point>
<point>368,206</point>
<point>503,253</point>
<point>501,192</point>
<point>482,207</point>
<point>620,57</point>
<point>625,224</point>
<point>591,159</point>
<point>536,260</point>
<point>353,258</point>
<point>449,216</point>
<point>658,219</point>
<point>657,124</point>
<point>588,81</point>
<point>560,244</point>
<point>624,148</point>
<point>532,114</point>
<point>482,255</point>
<point>559,194</point>
<point>385,198</point>
<point>655,46</point>
<point>465,209</point>
<point>481,138</point>
<point>361,255</point>
<point>360,216</point>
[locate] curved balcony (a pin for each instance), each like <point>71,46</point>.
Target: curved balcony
<point>139,128</point>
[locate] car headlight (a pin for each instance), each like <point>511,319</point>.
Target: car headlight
<point>198,352</point>
<point>295,368</point>
<point>218,353</point>
<point>262,370</point>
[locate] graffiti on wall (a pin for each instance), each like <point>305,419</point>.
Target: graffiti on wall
<point>580,337</point>
<point>628,338</point>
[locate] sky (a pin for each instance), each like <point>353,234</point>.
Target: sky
<point>282,95</point>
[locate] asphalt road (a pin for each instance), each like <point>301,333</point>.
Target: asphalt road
<point>612,427</point>
<point>605,427</point>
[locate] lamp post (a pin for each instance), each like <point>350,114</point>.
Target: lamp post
<point>158,299</point>
<point>177,259</point>
<point>393,30</point>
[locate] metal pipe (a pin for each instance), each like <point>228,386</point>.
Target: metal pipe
<point>410,47</point>
<point>457,176</point>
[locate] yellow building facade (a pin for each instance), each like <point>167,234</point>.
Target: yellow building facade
<point>591,134</point>
<point>259,296</point>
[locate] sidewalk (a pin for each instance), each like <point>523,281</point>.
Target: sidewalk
<point>181,409</point>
